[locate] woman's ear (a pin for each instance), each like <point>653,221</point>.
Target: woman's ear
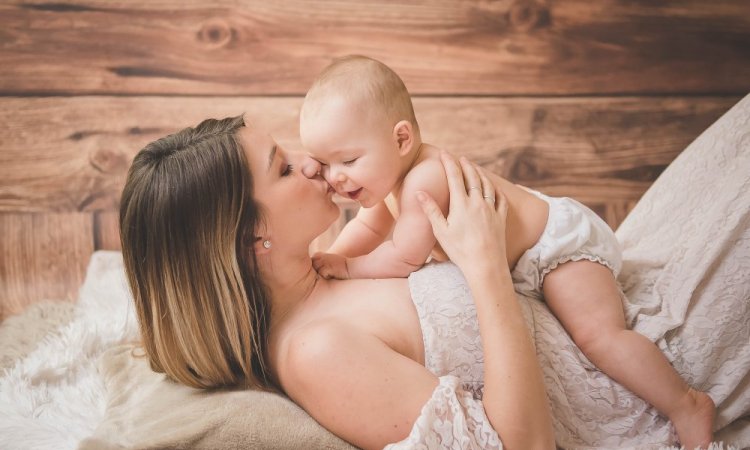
<point>403,134</point>
<point>262,245</point>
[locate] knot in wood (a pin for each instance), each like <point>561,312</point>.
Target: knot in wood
<point>525,15</point>
<point>215,33</point>
<point>108,161</point>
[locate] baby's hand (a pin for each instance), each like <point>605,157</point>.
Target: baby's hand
<point>330,265</point>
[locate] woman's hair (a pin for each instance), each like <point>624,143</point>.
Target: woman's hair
<point>187,217</point>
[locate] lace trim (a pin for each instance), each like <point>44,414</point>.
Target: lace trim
<point>451,419</point>
<point>578,257</point>
<point>475,388</point>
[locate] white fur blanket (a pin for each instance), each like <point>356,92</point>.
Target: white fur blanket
<point>81,387</point>
<point>55,396</point>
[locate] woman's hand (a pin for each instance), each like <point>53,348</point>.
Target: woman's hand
<point>473,234</point>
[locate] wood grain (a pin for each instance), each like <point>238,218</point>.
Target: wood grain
<point>71,154</point>
<point>444,47</point>
<point>42,256</point>
<point>106,230</point>
<point>572,97</point>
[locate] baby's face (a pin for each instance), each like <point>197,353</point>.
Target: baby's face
<point>357,152</point>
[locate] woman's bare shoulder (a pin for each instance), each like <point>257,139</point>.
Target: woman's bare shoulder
<point>381,309</point>
<point>349,380</point>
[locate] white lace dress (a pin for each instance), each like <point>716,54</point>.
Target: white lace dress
<point>686,275</point>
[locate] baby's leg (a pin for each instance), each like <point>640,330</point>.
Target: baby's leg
<point>585,298</point>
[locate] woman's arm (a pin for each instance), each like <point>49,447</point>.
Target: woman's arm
<point>473,236</point>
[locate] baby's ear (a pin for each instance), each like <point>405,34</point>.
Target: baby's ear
<point>403,134</point>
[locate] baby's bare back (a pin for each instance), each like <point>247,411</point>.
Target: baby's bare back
<point>527,217</point>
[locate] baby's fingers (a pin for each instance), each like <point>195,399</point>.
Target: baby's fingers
<point>318,261</point>
<point>325,271</point>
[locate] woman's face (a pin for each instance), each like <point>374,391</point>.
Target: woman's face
<point>296,200</point>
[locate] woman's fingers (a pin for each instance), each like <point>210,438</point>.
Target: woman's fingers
<point>455,178</point>
<point>488,189</point>
<point>433,213</point>
<point>473,183</point>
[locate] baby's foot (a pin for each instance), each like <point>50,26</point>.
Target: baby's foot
<point>694,421</point>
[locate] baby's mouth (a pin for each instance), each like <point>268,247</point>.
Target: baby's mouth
<point>354,194</point>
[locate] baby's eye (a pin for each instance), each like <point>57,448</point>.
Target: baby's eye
<point>350,162</point>
<point>287,170</point>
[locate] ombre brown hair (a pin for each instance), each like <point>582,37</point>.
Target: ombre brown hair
<point>187,217</point>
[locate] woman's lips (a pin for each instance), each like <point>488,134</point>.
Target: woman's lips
<point>354,194</point>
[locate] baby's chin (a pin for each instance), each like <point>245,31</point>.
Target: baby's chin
<point>369,202</point>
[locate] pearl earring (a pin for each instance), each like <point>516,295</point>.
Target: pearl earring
<point>266,244</point>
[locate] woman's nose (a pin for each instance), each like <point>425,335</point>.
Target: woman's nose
<point>309,167</point>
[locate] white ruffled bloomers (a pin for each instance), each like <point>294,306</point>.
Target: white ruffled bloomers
<point>573,233</point>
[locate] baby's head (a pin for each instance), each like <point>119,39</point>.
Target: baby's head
<point>358,121</point>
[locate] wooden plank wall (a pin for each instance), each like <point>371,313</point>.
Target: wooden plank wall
<point>580,98</point>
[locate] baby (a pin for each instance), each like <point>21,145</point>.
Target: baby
<point>357,120</point>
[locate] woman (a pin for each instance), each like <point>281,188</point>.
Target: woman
<point>216,222</point>
<point>226,292</point>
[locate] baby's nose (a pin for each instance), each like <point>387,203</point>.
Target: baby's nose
<point>335,175</point>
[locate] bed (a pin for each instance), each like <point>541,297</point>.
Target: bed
<point>72,376</point>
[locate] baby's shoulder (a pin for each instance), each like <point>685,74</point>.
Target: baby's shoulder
<point>429,169</point>
<point>427,175</point>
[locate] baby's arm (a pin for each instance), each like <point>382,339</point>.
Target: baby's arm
<point>363,233</point>
<point>360,236</point>
<point>412,239</point>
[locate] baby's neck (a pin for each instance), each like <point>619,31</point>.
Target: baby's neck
<point>414,157</point>
<point>411,159</point>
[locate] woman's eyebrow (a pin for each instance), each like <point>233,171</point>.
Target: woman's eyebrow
<point>271,156</point>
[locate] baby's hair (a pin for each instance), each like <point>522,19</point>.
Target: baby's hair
<point>364,79</point>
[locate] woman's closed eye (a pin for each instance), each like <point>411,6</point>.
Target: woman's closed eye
<point>350,162</point>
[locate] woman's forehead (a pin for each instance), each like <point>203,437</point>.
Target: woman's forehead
<point>258,146</point>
